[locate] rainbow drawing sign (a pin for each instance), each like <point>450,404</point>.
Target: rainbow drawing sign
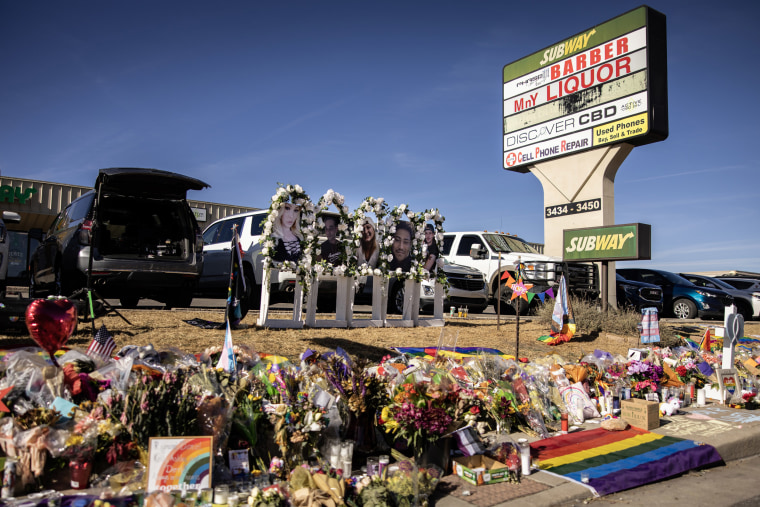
<point>179,463</point>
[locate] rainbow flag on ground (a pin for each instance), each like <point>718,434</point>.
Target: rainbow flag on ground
<point>453,352</point>
<point>618,460</point>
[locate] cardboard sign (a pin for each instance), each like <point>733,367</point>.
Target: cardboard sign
<point>179,463</point>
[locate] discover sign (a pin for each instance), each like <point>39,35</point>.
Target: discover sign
<point>627,242</point>
<point>605,85</point>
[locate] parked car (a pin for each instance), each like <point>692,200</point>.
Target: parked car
<point>215,278</point>
<point>467,287</point>
<point>142,234</point>
<point>494,253</point>
<point>7,217</point>
<point>746,304</point>
<point>681,298</point>
<point>637,295</point>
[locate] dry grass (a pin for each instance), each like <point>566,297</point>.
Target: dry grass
<point>165,329</point>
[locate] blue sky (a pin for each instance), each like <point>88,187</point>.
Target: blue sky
<point>400,100</point>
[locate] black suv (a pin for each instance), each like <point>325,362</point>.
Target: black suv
<point>145,240</point>
<point>638,295</point>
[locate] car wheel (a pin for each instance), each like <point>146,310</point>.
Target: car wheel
<point>506,303</point>
<point>129,301</point>
<point>684,309</point>
<point>396,298</point>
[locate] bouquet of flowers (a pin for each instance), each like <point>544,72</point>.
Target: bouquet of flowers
<point>418,414</point>
<point>502,407</point>
<point>297,422</point>
<point>689,372</point>
<point>271,496</point>
<point>644,377</point>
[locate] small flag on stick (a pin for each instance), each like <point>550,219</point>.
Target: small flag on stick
<point>102,345</point>
<point>227,358</point>
<point>706,344</point>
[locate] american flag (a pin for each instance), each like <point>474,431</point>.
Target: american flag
<point>102,344</point>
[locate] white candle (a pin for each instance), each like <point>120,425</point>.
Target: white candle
<point>524,455</point>
<point>701,398</point>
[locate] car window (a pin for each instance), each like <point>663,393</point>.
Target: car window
<point>257,224</point>
<point>57,223</point>
<point>209,235</point>
<point>654,278</point>
<point>740,284</point>
<point>699,282</point>
<point>225,230</point>
<point>80,208</point>
<point>466,243</point>
<point>448,240</point>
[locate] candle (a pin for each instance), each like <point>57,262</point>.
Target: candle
<point>701,398</point>
<point>524,455</point>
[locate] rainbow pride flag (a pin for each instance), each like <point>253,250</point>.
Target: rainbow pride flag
<point>618,460</point>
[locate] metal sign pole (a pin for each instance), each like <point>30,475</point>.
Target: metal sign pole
<point>498,296</point>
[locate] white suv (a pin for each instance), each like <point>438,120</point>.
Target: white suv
<point>215,278</point>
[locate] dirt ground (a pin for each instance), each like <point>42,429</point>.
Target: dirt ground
<point>164,329</point>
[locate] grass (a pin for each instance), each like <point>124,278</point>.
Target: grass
<point>591,320</point>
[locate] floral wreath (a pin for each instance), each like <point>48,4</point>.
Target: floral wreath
<point>295,195</point>
<point>435,216</point>
<point>386,246</point>
<point>379,207</point>
<point>344,236</point>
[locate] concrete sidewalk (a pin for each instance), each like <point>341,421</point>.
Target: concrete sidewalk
<point>735,433</point>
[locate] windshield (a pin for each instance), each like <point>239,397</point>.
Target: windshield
<point>675,279</point>
<point>506,244</point>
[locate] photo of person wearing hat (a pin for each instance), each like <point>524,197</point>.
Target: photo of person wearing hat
<point>328,250</point>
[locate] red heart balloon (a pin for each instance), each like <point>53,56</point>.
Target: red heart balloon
<point>51,322</point>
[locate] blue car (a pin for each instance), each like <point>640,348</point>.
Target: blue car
<point>681,298</point>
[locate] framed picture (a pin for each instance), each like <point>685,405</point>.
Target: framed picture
<point>179,463</point>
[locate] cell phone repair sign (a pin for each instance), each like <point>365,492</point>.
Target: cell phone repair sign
<point>602,86</point>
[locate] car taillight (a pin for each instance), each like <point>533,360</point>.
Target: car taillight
<point>85,232</point>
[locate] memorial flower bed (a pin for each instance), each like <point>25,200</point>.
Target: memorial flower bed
<point>283,416</point>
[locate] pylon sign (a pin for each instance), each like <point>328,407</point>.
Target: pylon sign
<point>602,86</point>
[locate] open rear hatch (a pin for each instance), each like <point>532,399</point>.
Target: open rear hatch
<point>143,214</point>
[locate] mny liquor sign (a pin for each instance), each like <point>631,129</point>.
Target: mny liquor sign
<point>602,86</point>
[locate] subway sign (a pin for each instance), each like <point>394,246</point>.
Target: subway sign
<point>628,242</point>
<point>602,86</point>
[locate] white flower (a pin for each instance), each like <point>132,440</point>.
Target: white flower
<point>398,271</point>
<point>358,242</point>
<point>389,258</point>
<point>401,208</point>
<point>410,215</point>
<point>299,189</point>
<point>377,272</point>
